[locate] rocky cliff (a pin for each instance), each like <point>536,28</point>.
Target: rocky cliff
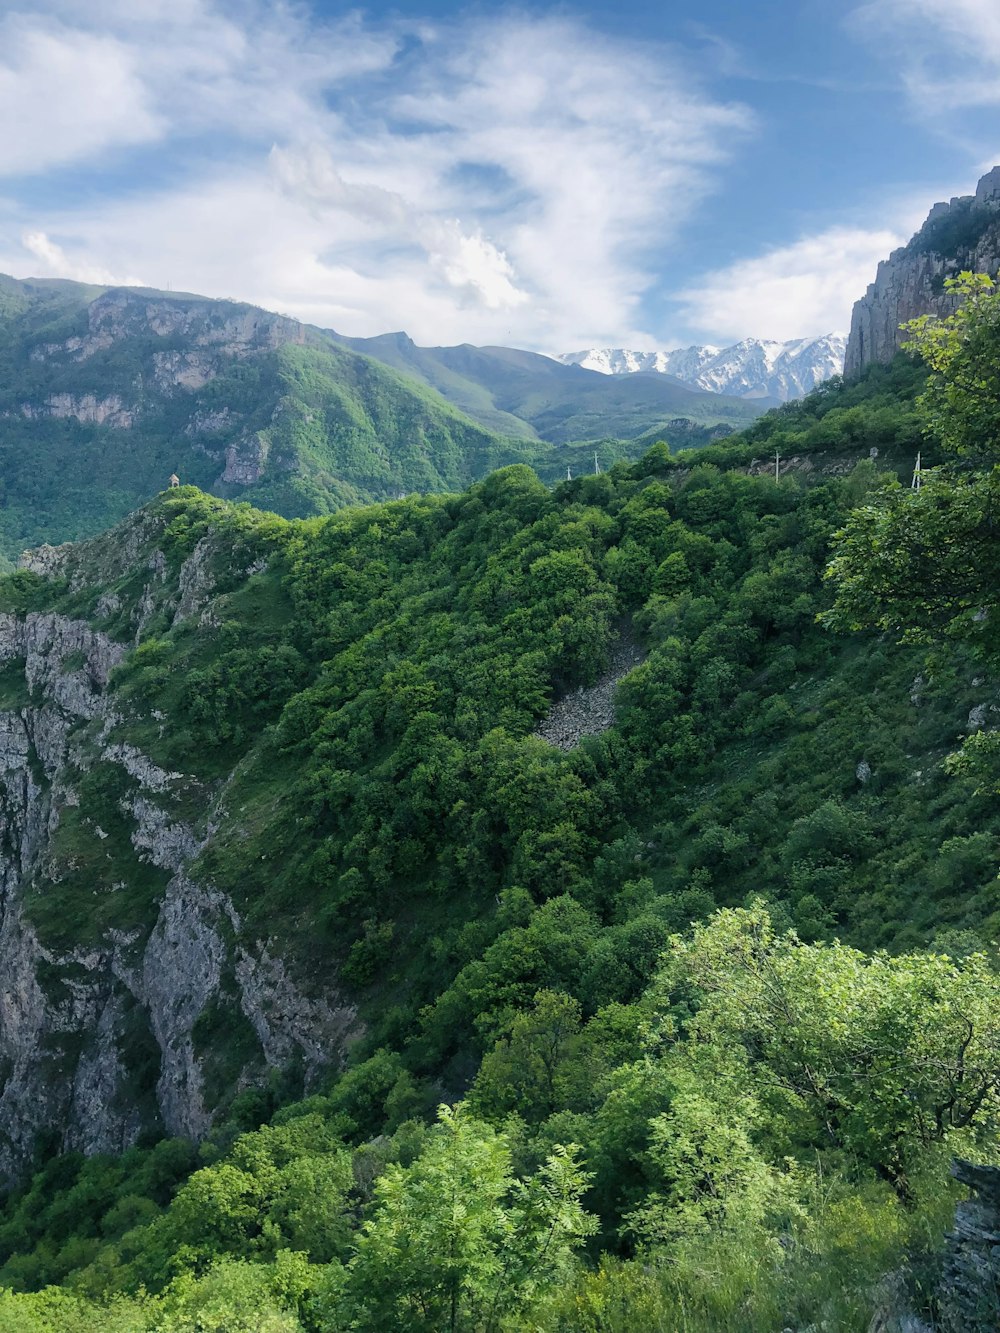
<point>961,235</point>
<point>121,962</point>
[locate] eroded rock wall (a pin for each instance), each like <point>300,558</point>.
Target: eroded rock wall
<point>963,234</point>
<point>97,1036</point>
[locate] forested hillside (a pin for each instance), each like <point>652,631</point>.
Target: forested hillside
<point>523,393</point>
<point>709,997</point>
<point>105,393</point>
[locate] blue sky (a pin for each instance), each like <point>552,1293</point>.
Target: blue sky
<point>546,176</point>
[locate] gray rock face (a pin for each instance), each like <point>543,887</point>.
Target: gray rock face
<point>87,408</point>
<point>968,1290</point>
<point>591,711</point>
<point>245,461</point>
<point>207,323</point>
<point>76,1021</point>
<point>969,1300</point>
<point>963,234</point>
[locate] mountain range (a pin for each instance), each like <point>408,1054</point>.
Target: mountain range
<point>394,900</point>
<point>105,392</point>
<point>527,394</point>
<point>754,368</point>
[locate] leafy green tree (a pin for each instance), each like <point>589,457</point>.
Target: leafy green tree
<point>926,561</point>
<point>526,1070</point>
<point>457,1244</point>
<point>961,403</point>
<point>281,1187</point>
<point>878,1057</point>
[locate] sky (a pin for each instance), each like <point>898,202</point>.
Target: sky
<point>548,176</point>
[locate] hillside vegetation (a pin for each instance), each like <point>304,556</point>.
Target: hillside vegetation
<point>522,393</point>
<point>104,393</point>
<point>708,999</point>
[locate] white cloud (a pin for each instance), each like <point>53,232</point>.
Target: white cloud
<point>76,81</point>
<point>65,95</point>
<point>467,261</point>
<point>947,52</point>
<point>508,179</point>
<point>792,291</point>
<point>57,263</point>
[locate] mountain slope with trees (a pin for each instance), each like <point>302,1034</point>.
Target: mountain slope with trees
<point>300,759</point>
<point>105,393</point>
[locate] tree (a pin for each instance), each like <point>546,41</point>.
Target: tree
<point>961,403</point>
<point>879,1057</point>
<point>456,1243</point>
<point>524,1072</point>
<point>926,561</point>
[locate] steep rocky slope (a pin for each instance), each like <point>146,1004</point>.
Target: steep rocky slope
<point>113,948</point>
<point>963,234</point>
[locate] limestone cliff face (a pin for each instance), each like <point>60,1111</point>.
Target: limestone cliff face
<point>216,326</point>
<point>98,1017</point>
<point>963,234</point>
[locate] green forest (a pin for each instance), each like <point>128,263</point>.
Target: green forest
<point>104,393</point>
<point>676,1030</point>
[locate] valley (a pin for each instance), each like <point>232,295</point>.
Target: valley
<point>471,863</point>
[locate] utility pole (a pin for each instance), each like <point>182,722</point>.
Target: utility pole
<point>915,483</point>
<point>776,458</point>
<point>597,466</point>
<point>569,475</point>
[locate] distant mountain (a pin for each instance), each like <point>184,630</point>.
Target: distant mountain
<point>523,393</point>
<point>755,368</point>
<point>104,393</point>
<point>961,235</point>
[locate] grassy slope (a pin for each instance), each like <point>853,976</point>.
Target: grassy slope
<point>533,395</point>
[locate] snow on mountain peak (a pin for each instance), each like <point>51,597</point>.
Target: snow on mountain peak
<point>752,368</point>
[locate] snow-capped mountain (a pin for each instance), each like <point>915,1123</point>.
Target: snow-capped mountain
<point>753,368</point>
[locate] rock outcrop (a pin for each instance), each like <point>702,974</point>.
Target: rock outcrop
<point>99,1018</point>
<point>246,460</point>
<point>969,1299</point>
<point>588,712</point>
<point>967,1289</point>
<point>226,327</point>
<point>961,235</point>
<point>89,409</point>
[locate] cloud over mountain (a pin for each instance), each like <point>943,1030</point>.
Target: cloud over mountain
<point>503,178</point>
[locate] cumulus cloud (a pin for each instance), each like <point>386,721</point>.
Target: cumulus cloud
<point>792,291</point>
<point>66,95</point>
<point>504,178</point>
<point>468,262</point>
